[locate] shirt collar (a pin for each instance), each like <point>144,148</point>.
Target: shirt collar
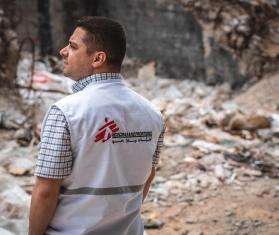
<point>95,78</point>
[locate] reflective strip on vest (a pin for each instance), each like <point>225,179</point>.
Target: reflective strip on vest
<point>102,191</point>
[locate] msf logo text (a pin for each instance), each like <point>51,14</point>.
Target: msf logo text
<point>106,131</point>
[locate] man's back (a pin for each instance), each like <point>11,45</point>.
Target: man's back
<point>114,134</point>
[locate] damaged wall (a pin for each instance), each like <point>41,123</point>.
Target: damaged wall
<point>158,31</point>
<point>213,41</point>
<point>245,32</point>
<point>9,46</point>
<point>161,31</point>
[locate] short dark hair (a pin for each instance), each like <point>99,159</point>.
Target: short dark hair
<point>108,36</point>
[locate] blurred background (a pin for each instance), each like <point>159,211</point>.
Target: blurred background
<point>211,67</point>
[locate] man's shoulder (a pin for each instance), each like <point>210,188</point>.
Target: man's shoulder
<point>69,99</point>
<point>147,103</point>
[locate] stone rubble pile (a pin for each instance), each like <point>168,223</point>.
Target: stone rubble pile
<point>246,29</point>
<point>210,141</point>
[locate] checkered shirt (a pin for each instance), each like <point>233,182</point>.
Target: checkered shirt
<point>55,157</point>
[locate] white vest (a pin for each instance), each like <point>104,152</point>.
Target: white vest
<point>114,133</point>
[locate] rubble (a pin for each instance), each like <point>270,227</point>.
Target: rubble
<point>12,120</point>
<point>42,78</point>
<point>243,34</point>
<point>250,123</point>
<point>5,232</point>
<point>152,223</point>
<point>20,166</point>
<point>14,205</point>
<point>207,146</point>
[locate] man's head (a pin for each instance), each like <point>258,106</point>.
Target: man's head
<point>97,45</point>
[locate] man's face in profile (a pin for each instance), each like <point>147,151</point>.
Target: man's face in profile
<point>77,61</point>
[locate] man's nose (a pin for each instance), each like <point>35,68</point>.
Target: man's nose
<point>63,52</point>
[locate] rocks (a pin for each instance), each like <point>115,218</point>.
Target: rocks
<point>206,131</point>
<point>14,200</point>
<point>236,121</point>
<point>221,172</point>
<point>20,166</point>
<point>24,136</point>
<point>196,232</point>
<point>176,140</point>
<point>207,147</point>
<point>43,79</point>
<point>271,169</point>
<point>14,206</point>
<point>210,142</point>
<point>238,157</point>
<point>191,220</point>
<point>246,226</point>
<point>232,30</point>
<point>152,222</point>
<point>229,212</point>
<point>14,226</point>
<point>265,134</point>
<point>251,172</point>
<point>12,120</point>
<point>5,232</point>
<point>262,96</point>
<point>250,123</point>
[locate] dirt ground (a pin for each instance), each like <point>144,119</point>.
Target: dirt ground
<point>235,210</point>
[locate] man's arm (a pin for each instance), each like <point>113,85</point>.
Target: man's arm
<point>148,183</point>
<point>43,204</point>
<point>54,163</point>
<point>154,164</point>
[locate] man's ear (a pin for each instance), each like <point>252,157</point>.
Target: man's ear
<point>99,59</point>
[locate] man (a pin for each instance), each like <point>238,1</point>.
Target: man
<point>99,146</point>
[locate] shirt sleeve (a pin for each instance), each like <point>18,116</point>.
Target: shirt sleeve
<point>160,144</point>
<point>55,155</point>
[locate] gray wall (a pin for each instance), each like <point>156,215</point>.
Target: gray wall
<point>156,30</point>
<point>165,32</point>
<point>160,31</point>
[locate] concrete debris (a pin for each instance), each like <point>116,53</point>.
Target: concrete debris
<point>210,142</point>
<point>5,232</point>
<point>235,30</point>
<point>11,120</point>
<point>271,169</point>
<point>265,134</point>
<point>238,157</point>
<point>262,96</point>
<point>251,172</point>
<point>152,223</point>
<point>221,172</point>
<point>196,232</point>
<point>41,78</point>
<point>176,140</point>
<point>207,147</point>
<point>236,121</point>
<point>14,200</point>
<point>20,166</point>
<point>250,123</point>
<point>24,136</point>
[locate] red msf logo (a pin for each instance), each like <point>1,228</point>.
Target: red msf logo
<point>106,131</point>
